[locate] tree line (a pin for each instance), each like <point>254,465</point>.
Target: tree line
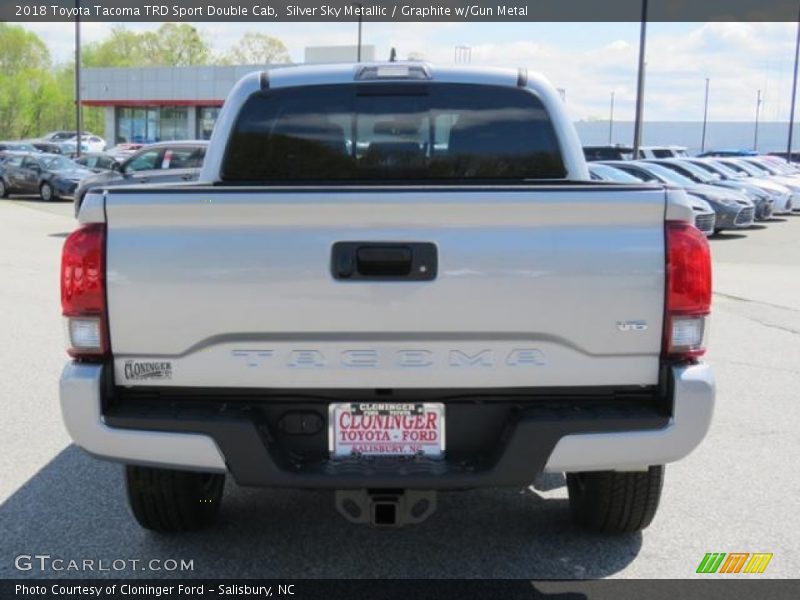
<point>37,95</point>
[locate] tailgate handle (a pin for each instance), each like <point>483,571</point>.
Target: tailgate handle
<point>394,261</point>
<point>413,261</point>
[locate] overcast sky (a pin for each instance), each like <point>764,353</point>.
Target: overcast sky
<point>588,60</point>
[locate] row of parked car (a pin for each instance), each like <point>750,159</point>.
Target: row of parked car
<point>728,189</point>
<point>60,142</point>
<point>54,176</point>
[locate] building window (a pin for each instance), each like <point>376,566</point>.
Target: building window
<point>152,124</point>
<point>206,117</point>
<point>173,124</point>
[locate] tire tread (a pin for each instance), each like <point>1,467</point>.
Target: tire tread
<point>171,501</point>
<point>615,502</point>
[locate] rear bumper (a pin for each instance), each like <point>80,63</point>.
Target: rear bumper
<point>537,438</point>
<point>64,189</point>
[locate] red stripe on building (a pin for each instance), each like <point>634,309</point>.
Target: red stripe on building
<point>152,102</point>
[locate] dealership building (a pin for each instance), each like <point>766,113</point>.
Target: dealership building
<point>152,104</point>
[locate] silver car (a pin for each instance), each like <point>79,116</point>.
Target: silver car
<point>704,216</point>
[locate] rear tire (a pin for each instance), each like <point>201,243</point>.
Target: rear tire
<point>612,502</point>
<point>173,501</point>
<point>47,193</point>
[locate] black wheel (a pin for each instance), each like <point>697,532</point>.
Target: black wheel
<point>3,189</point>
<point>171,501</point>
<point>612,502</point>
<point>46,192</point>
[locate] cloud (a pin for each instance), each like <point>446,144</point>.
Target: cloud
<point>738,58</point>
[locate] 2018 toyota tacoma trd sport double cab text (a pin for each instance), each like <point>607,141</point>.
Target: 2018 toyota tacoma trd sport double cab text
<point>390,279</point>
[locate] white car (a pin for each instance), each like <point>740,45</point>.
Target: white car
<point>89,143</point>
<point>651,152</point>
<point>760,174</point>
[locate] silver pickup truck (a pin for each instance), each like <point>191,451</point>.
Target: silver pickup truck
<point>391,279</point>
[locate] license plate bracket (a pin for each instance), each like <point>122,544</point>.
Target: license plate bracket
<point>400,429</point>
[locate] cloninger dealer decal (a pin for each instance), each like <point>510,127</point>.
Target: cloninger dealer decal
<point>136,370</point>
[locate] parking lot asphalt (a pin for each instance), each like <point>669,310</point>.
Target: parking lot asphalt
<point>737,493</point>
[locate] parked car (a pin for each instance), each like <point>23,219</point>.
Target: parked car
<point>646,152</point>
<point>98,162</point>
<point>775,167</point>
<point>762,199</point>
<point>284,323</point>
<point>780,194</point>
<point>610,152</point>
<point>794,160</point>
<point>728,153</point>
<point>52,176</point>
<point>62,136</point>
<point>705,217</point>
<point>734,210</point>
<point>17,147</point>
<point>163,162</point>
<point>123,151</point>
<point>89,143</point>
<point>48,147</point>
<point>759,173</point>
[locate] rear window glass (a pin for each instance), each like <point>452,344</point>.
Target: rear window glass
<point>393,132</point>
<point>661,153</point>
<point>594,153</point>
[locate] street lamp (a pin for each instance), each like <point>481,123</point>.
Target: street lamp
<point>360,20</point>
<point>637,125</point>
<point>794,93</point>
<point>758,113</point>
<point>705,119</point>
<point>611,121</point>
<point>78,120</point>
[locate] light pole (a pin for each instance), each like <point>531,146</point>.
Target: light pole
<point>758,113</point>
<point>611,121</point>
<point>78,119</point>
<point>705,119</point>
<point>637,125</point>
<point>360,20</point>
<point>794,93</point>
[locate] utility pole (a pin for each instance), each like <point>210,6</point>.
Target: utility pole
<point>637,126</point>
<point>758,114</point>
<point>462,55</point>
<point>78,119</point>
<point>794,93</point>
<point>705,119</point>
<point>611,122</point>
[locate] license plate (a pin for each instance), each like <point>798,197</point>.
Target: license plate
<point>386,429</point>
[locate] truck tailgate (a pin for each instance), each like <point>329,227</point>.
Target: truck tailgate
<point>535,287</point>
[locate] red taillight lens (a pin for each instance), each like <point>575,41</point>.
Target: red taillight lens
<point>83,291</point>
<point>688,291</point>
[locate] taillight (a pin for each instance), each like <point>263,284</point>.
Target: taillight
<point>688,301</point>
<point>83,292</point>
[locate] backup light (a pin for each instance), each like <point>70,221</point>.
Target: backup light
<point>84,334</point>
<point>688,334</point>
